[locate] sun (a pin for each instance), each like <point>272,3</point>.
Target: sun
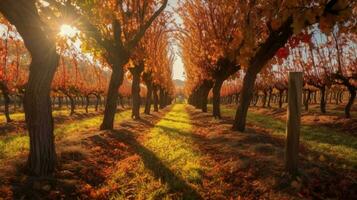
<point>68,31</point>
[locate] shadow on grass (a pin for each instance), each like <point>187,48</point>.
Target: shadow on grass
<point>265,153</point>
<point>152,163</point>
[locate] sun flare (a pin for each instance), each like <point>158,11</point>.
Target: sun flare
<point>68,31</point>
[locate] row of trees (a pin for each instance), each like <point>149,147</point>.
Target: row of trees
<point>110,31</point>
<point>261,40</point>
<point>329,66</point>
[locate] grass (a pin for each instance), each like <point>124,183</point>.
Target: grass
<point>16,143</point>
<point>166,165</point>
<point>322,140</point>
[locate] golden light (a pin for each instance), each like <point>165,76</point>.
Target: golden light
<point>68,31</point>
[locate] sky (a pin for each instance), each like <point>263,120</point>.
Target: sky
<point>178,69</point>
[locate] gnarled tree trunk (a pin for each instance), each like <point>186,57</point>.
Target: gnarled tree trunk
<point>37,102</point>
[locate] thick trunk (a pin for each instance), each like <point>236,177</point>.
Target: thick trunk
<point>37,102</point>
<point>245,98</point>
<point>38,111</point>
<point>322,99</point>
<point>348,107</point>
<point>156,98</point>
<point>112,97</point>
<point>135,90</point>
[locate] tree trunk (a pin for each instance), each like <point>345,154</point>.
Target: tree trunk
<point>97,102</point>
<point>216,98</point>
<point>322,99</point>
<point>87,103</point>
<point>116,80</point>
<point>148,98</point>
<point>315,97</point>
<point>37,102</point>
<point>245,97</point>
<point>156,98</point>
<point>5,93</point>
<point>161,101</point>
<point>73,105</point>
<point>348,107</point>
<point>269,98</point>
<point>281,92</point>
<point>256,99</point>
<point>59,102</point>
<point>307,100</point>
<point>135,90</point>
<point>264,100</point>
<point>207,87</point>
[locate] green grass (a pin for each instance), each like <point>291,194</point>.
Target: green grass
<point>169,166</point>
<point>18,142</point>
<point>320,139</point>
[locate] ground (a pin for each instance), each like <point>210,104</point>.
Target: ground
<point>182,153</point>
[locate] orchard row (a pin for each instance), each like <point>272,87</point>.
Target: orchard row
<point>248,48</point>
<point>53,49</point>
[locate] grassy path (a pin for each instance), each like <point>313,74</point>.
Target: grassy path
<point>166,165</point>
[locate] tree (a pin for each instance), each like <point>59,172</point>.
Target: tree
<point>116,27</point>
<point>40,42</point>
<point>272,32</point>
<point>210,39</point>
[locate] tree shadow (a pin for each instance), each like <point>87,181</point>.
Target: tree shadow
<point>155,165</point>
<point>265,163</point>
